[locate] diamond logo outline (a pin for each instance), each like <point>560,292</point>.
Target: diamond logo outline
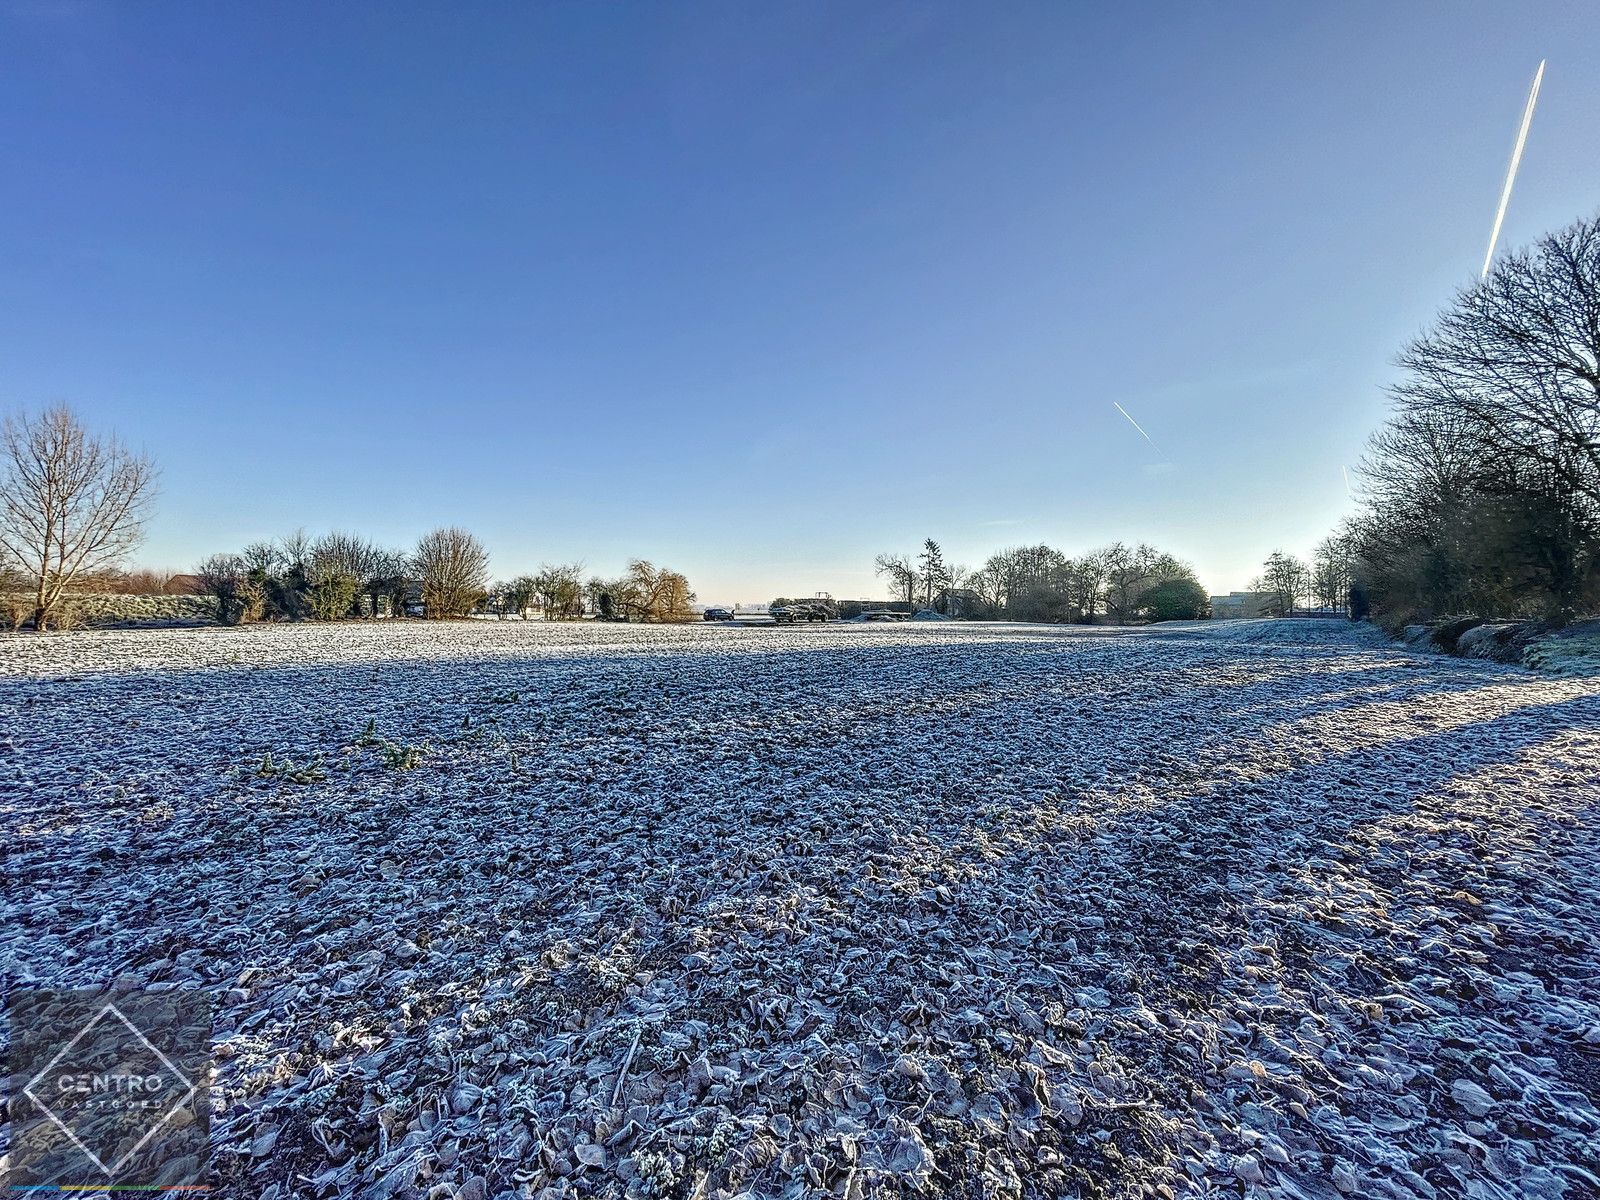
<point>111,1171</point>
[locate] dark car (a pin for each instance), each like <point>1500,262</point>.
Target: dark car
<point>811,610</point>
<point>717,614</point>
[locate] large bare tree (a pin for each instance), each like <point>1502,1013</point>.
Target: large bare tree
<point>453,569</point>
<point>1482,491</point>
<point>71,503</point>
<point>1516,359</point>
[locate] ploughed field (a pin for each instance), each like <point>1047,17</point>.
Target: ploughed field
<point>936,909</point>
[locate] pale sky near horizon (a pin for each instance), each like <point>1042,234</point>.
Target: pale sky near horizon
<point>758,291</point>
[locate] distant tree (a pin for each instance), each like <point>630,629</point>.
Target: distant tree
<point>901,574</point>
<point>1285,580</point>
<point>286,584</point>
<point>1085,580</point>
<point>453,568</point>
<point>388,576</point>
<point>657,594</point>
<point>71,503</point>
<point>337,565</point>
<point>560,590</point>
<point>989,586</point>
<point>934,573</point>
<point>224,578</point>
<point>1028,583</point>
<point>1130,572</point>
<point>293,551</point>
<point>265,557</point>
<point>1177,599</point>
<point>1039,600</point>
<point>517,595</point>
<point>399,582</point>
<point>618,599</point>
<point>1332,567</point>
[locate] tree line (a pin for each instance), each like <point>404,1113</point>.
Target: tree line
<point>1481,491</point>
<point>73,506</point>
<point>1125,584</point>
<point>341,576</point>
<point>644,592</point>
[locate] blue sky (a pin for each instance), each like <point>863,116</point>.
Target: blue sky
<point>759,290</point>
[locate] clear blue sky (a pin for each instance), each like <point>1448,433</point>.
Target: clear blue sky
<point>759,290</point>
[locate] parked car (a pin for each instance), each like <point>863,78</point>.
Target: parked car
<point>809,610</point>
<point>717,614</point>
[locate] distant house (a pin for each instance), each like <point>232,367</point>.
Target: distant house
<point>1237,606</point>
<point>957,602</point>
<point>854,608</point>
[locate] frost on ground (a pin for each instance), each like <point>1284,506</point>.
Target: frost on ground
<point>1571,651</point>
<point>939,910</point>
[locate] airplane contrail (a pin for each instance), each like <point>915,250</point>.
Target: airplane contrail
<point>1134,423</point>
<point>1511,172</point>
<point>1346,471</point>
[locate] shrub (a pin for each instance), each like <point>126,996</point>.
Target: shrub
<point>15,611</point>
<point>1178,599</point>
<point>333,596</point>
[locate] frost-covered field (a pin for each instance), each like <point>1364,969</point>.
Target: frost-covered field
<point>943,909</point>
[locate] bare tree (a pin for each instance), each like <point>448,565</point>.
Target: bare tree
<point>223,577</point>
<point>264,557</point>
<point>1285,579</point>
<point>1332,568</point>
<point>1086,578</point>
<point>1036,588</point>
<point>1517,356</point>
<point>989,586</point>
<point>902,575</point>
<point>560,590</point>
<point>453,569</point>
<point>71,503</point>
<point>140,581</point>
<point>1482,491</point>
<point>293,552</point>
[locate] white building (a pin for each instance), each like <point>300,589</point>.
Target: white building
<point>1241,605</point>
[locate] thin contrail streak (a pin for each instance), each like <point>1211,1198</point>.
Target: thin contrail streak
<point>1134,423</point>
<point>1511,172</point>
<point>1346,471</point>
